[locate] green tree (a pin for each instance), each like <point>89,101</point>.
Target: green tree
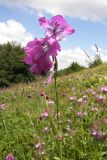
<point>12,68</point>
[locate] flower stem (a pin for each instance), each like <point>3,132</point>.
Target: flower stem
<point>56,92</point>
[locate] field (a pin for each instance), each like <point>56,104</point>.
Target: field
<point>28,120</point>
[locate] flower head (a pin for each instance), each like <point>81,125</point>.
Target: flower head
<point>2,106</point>
<point>38,54</point>
<point>46,130</point>
<point>9,157</point>
<point>81,114</point>
<point>56,27</point>
<point>99,135</point>
<point>43,115</point>
<point>104,89</point>
<point>100,98</point>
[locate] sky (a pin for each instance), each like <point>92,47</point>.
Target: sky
<point>19,22</point>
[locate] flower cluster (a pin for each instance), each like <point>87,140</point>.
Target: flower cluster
<point>9,157</point>
<point>40,53</point>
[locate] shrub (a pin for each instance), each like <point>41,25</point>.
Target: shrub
<point>12,69</point>
<point>74,67</point>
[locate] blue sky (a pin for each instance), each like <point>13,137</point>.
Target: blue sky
<point>90,28</point>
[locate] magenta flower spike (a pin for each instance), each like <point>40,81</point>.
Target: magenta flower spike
<point>56,28</point>
<point>38,54</point>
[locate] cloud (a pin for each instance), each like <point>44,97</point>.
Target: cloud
<point>94,10</point>
<point>66,57</point>
<point>13,31</point>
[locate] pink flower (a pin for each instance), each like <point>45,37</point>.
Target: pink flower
<point>100,98</point>
<point>50,102</point>
<point>2,106</point>
<point>43,65</point>
<point>46,130</point>
<point>43,115</point>
<point>81,114</point>
<point>80,101</point>
<point>39,148</point>
<point>42,94</point>
<point>99,135</point>
<point>9,157</point>
<point>104,89</point>
<point>85,98</point>
<point>56,27</point>
<point>73,98</point>
<point>38,145</point>
<point>38,54</point>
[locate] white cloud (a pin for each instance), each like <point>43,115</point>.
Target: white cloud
<point>66,57</point>
<point>13,31</point>
<point>94,10</point>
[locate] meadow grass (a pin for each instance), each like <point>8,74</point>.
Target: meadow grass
<point>28,135</point>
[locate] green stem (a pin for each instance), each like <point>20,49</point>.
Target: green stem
<point>54,131</point>
<point>56,92</point>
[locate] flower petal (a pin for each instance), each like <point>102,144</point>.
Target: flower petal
<point>43,22</point>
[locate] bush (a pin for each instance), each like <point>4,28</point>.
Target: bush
<point>74,67</point>
<point>12,69</point>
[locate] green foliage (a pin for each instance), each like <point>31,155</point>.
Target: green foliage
<point>74,67</point>
<point>96,62</point>
<point>97,58</point>
<point>12,69</point>
<point>21,127</point>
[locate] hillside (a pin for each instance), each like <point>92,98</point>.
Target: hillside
<point>83,118</point>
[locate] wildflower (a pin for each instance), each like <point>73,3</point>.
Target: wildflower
<point>50,102</point>
<point>93,93</point>
<point>100,98</point>
<point>85,98</point>
<point>46,130</point>
<point>80,101</point>
<point>43,115</point>
<point>38,54</point>
<point>2,106</point>
<point>56,27</point>
<point>39,148</point>
<point>99,135</point>
<point>9,157</point>
<point>42,94</point>
<point>81,114</point>
<point>104,89</point>
<point>69,130</point>
<point>38,145</point>
<point>72,98</point>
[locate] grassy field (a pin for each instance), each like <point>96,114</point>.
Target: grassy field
<point>25,128</point>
